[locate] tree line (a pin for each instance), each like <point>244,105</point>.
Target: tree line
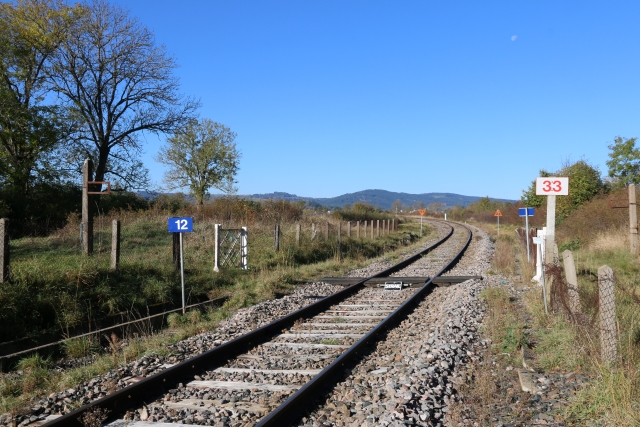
<point>87,81</point>
<point>585,182</point>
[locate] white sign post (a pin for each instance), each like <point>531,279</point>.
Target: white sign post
<point>551,187</point>
<point>181,225</point>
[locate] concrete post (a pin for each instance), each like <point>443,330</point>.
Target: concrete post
<point>244,248</point>
<point>4,250</point>
<point>87,209</point>
<point>349,229</point>
<point>298,234</point>
<point>313,231</point>
<point>276,238</point>
<point>377,228</point>
<point>572,282</point>
<point>365,229</point>
<point>216,246</point>
<point>633,220</point>
<point>371,229</point>
<point>358,229</point>
<point>549,257</point>
<point>115,246</point>
<point>608,329</point>
<point>339,230</point>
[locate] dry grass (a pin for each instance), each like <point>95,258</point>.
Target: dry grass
<point>616,239</point>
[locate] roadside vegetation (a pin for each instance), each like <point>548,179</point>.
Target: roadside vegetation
<point>53,287</point>
<point>597,234</point>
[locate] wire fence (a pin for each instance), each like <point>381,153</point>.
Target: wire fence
<point>145,242</point>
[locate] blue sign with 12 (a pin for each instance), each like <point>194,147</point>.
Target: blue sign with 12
<point>180,225</point>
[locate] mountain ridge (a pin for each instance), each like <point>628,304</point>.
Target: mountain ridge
<point>381,198</point>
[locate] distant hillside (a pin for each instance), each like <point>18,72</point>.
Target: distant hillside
<point>380,198</point>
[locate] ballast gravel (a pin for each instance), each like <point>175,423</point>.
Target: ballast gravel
<point>243,321</point>
<point>410,378</point>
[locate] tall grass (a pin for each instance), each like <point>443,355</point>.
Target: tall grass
<point>54,287</point>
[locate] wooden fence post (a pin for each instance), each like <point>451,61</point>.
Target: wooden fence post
<point>339,230</point>
<point>349,229</point>
<point>608,324</point>
<point>115,246</point>
<point>572,282</point>
<point>313,231</point>
<point>372,229</point>
<point>276,238</point>
<point>358,229</point>
<point>87,209</point>
<point>633,220</point>
<point>297,234</point>
<point>4,250</point>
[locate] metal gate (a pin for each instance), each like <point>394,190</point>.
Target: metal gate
<point>231,247</point>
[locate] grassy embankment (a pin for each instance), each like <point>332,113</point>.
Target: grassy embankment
<point>597,236</point>
<point>50,276</point>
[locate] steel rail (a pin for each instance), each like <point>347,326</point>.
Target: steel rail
<point>300,402</point>
<point>145,389</point>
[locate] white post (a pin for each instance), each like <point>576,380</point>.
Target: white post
<point>540,247</point>
<point>633,220</point>
<point>216,245</point>
<point>526,221</point>
<point>182,270</point>
<point>245,248</point>
<point>551,229</point>
<point>445,216</point>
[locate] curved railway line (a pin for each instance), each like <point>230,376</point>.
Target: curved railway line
<point>298,369</point>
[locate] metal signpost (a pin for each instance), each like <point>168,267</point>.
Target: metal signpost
<point>526,213</point>
<point>498,214</point>
<point>181,225</point>
<point>421,212</point>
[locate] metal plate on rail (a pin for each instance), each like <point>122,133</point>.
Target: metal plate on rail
<point>395,285</point>
<point>411,282</point>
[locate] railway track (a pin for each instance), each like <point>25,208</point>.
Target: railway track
<point>269,376</point>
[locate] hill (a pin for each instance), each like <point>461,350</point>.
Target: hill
<point>380,198</point>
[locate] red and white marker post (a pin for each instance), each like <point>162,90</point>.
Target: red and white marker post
<point>550,186</point>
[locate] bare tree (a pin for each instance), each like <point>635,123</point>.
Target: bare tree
<point>118,83</point>
<point>436,207</point>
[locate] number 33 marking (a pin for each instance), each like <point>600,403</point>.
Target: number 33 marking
<point>548,186</point>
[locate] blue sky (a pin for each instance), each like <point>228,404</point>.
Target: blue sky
<point>469,97</point>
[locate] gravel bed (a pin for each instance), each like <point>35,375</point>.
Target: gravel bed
<point>250,405</point>
<point>410,378</point>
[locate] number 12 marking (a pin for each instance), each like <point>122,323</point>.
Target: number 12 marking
<point>182,224</point>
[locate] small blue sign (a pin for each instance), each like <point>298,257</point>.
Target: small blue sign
<point>180,225</point>
<point>525,211</point>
